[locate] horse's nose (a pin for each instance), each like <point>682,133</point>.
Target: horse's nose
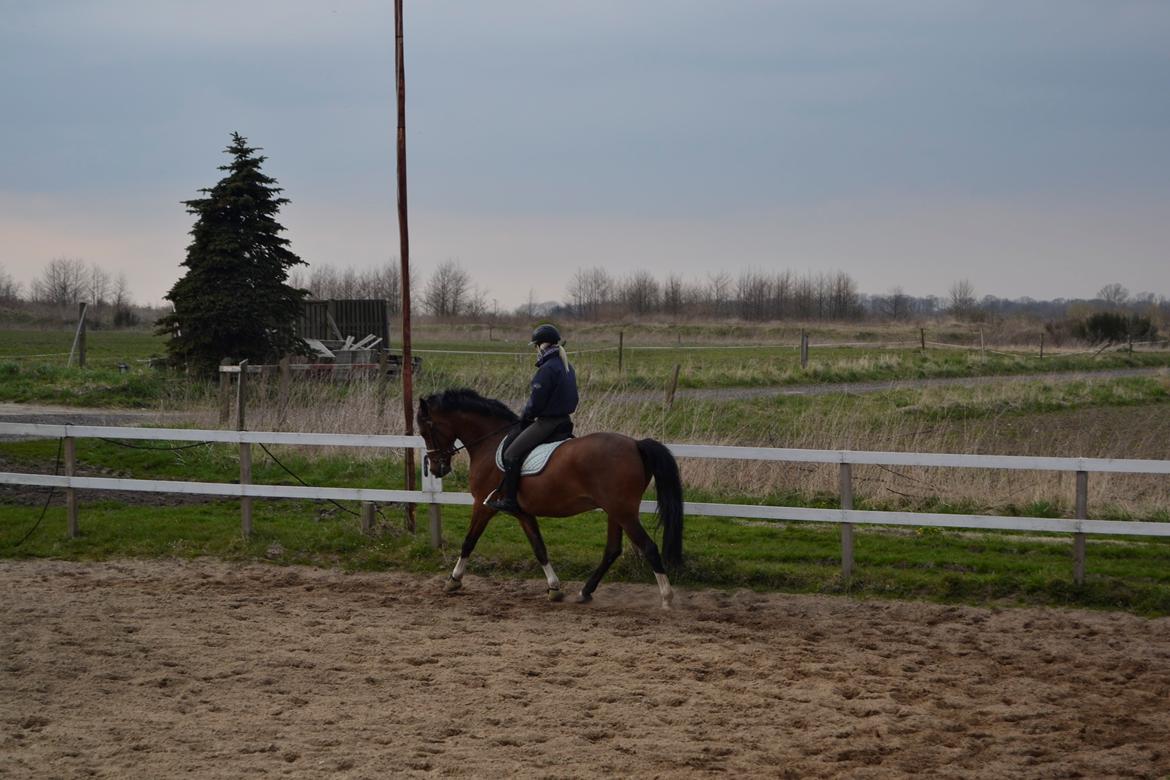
<point>436,468</point>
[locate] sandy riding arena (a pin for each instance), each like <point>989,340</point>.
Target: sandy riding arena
<point>205,669</point>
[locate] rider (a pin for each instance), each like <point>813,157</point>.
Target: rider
<point>553,399</point>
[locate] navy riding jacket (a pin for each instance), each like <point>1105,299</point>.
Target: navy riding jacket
<point>554,388</point>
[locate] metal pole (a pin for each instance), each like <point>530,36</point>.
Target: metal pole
<point>404,250</point>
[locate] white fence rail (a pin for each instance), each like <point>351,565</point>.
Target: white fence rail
<point>432,489</point>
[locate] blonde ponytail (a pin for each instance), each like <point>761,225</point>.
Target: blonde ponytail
<point>565,358</point>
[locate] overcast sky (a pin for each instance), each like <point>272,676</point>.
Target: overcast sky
<point>1022,145</point>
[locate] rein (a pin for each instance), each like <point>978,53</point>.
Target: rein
<point>450,452</point>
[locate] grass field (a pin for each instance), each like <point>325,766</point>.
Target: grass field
<point>32,363</point>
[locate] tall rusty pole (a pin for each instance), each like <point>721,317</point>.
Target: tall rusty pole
<point>404,249</point>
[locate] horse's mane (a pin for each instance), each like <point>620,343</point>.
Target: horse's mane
<point>466,400</point>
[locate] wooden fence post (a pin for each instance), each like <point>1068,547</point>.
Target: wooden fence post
<point>1041,346</point>
<point>225,398</point>
<point>982,345</point>
<point>922,339</point>
<point>282,388</point>
<point>846,482</point>
<point>241,400</point>
<point>621,344</point>
<point>70,450</point>
<point>81,311</point>
<point>803,348</point>
<point>245,452</point>
<point>673,387</point>
<point>1079,538</point>
<point>383,382</point>
<point>78,338</point>
<point>367,517</point>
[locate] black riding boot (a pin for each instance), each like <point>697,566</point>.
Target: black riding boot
<point>504,499</point>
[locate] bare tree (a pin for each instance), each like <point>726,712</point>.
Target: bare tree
<point>894,306</point>
<point>589,291</point>
<point>846,302</point>
<point>962,298</point>
<point>9,289</point>
<point>97,285</point>
<point>63,281</point>
<point>673,295</point>
<point>124,315</point>
<point>385,283</point>
<point>753,291</point>
<point>719,293</point>
<point>1114,294</point>
<point>639,293</point>
<point>448,291</point>
<point>804,296</point>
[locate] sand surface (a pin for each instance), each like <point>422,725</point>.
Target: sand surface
<point>206,669</point>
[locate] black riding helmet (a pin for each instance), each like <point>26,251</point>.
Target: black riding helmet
<point>545,334</point>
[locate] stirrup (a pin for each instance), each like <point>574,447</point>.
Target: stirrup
<point>508,505</point>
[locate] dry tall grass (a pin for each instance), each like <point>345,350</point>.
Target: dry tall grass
<point>929,420</point>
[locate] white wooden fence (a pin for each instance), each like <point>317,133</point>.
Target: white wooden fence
<point>432,492</point>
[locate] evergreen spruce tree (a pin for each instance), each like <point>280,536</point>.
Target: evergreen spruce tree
<point>234,300</point>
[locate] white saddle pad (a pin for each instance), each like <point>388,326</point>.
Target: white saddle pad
<point>536,460</point>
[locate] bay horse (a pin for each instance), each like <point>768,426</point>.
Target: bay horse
<point>607,471</point>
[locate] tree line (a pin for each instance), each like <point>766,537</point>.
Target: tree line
<point>67,281</point>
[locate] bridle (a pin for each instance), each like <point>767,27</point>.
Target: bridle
<point>450,451</point>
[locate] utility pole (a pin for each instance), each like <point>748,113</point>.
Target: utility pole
<point>404,250</point>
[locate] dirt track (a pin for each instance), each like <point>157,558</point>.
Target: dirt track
<point>159,668</point>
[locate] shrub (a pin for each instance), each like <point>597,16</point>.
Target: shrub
<point>1108,326</point>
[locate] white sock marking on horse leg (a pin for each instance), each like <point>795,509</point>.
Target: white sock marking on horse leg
<point>664,588</point>
<point>460,565</point>
<point>551,576</point>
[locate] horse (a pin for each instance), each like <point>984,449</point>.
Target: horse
<point>607,471</point>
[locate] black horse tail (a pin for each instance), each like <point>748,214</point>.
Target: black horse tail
<point>661,465</point>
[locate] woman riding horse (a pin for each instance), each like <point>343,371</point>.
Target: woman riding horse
<point>553,399</point>
<point>606,471</point>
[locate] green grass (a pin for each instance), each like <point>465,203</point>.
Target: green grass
<point>761,366</point>
<point>47,380</point>
<point>99,387</point>
<point>104,348</point>
<point>928,563</point>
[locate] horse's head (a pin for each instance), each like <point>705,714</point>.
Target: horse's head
<point>439,439</point>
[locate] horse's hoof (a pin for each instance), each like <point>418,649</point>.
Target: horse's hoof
<point>453,584</point>
<point>584,598</point>
<point>556,594</point>
<point>666,606</point>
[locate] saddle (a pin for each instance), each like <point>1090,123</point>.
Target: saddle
<point>535,461</point>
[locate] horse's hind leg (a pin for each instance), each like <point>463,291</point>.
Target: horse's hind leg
<point>532,531</point>
<point>613,548</point>
<point>645,543</point>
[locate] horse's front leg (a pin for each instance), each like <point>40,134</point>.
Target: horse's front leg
<point>480,515</point>
<point>532,530</point>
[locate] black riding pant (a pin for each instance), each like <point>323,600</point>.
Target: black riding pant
<point>535,434</point>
